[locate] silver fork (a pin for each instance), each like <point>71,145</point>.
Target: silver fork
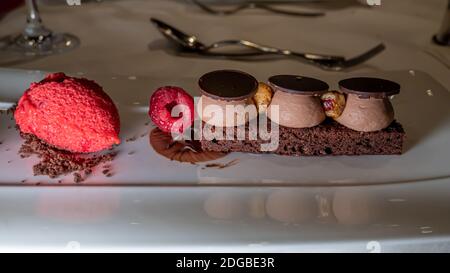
<point>326,62</point>
<point>254,5</point>
<point>192,45</point>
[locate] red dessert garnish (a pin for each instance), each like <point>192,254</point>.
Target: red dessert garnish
<point>69,113</point>
<point>328,104</point>
<point>164,114</point>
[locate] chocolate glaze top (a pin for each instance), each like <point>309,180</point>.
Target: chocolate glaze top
<point>228,85</point>
<point>369,87</point>
<point>298,85</point>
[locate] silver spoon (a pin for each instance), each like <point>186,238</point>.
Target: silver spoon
<point>192,44</point>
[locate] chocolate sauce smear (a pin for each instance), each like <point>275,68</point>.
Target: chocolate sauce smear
<point>182,151</point>
<point>222,166</point>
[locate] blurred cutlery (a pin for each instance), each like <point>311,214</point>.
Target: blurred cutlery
<point>255,5</point>
<point>190,43</point>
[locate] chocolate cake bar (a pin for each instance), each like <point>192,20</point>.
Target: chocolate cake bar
<point>328,138</point>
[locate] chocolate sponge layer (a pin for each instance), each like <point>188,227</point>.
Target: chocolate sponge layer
<point>328,138</point>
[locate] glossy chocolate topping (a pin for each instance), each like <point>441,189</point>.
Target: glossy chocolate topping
<point>298,85</point>
<point>369,87</point>
<point>228,85</point>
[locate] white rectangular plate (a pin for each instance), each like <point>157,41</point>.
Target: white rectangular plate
<point>422,107</point>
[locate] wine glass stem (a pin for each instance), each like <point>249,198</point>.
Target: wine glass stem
<point>34,27</point>
<point>33,12</point>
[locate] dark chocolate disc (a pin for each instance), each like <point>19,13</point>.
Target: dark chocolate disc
<point>369,87</point>
<point>298,85</point>
<point>228,85</point>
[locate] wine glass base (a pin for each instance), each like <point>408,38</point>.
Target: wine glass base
<point>442,42</point>
<point>54,43</point>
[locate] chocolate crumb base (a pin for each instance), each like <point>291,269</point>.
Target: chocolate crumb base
<point>77,178</point>
<point>55,162</point>
<point>328,138</point>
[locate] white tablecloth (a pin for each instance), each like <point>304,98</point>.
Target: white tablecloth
<point>117,39</point>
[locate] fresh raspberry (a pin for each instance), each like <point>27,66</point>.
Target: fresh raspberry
<point>169,100</point>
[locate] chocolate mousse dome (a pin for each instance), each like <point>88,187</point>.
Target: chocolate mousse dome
<point>221,89</point>
<point>297,98</point>
<point>368,107</point>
